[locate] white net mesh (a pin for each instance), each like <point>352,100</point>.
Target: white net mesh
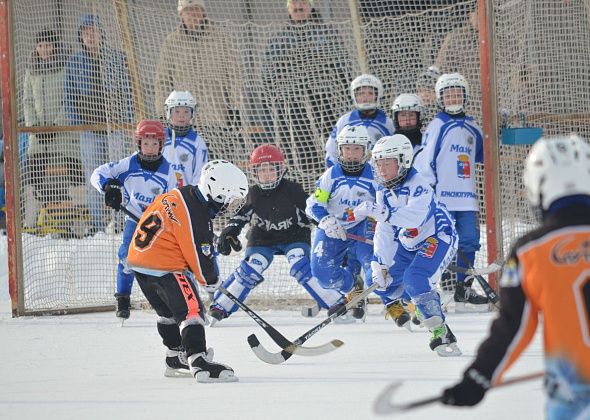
<point>256,78</point>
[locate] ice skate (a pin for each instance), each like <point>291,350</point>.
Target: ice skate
<point>360,312</point>
<point>311,310</point>
<point>444,342</point>
<point>344,318</point>
<point>216,314</point>
<point>123,307</point>
<point>176,363</point>
<point>399,314</point>
<point>207,371</point>
<point>467,300</point>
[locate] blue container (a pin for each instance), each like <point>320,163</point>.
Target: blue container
<point>522,135</point>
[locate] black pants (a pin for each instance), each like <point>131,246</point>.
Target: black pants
<point>175,296</point>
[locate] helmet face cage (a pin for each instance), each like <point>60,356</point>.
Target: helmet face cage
<point>396,147</point>
<point>407,102</point>
<point>266,157</point>
<point>150,129</point>
<point>149,158</point>
<point>366,80</point>
<point>453,80</point>
<point>353,135</point>
<point>279,169</point>
<point>178,99</point>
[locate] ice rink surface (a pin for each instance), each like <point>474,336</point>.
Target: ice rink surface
<point>89,367</point>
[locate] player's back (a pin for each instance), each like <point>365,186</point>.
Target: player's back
<point>555,264</point>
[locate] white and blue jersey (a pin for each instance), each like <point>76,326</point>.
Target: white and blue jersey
<point>452,146</point>
<point>140,186</point>
<point>187,156</point>
<point>417,241</point>
<point>378,125</point>
<point>338,194</point>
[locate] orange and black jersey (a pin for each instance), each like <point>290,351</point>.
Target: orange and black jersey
<point>175,233</point>
<point>548,272</point>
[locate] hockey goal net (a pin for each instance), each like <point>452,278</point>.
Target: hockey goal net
<point>256,79</point>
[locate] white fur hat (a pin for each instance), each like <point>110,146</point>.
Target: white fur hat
<point>186,3</point>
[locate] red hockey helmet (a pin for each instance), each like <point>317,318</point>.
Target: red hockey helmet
<point>150,129</point>
<point>265,157</point>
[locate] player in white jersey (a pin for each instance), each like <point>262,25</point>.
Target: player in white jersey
<point>185,149</point>
<point>415,240</point>
<point>453,144</point>
<point>136,180</point>
<point>339,190</point>
<point>366,91</point>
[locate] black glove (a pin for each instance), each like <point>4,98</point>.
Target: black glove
<point>229,239</point>
<point>469,391</point>
<point>113,195</point>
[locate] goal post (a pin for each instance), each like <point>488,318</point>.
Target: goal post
<point>258,79</point>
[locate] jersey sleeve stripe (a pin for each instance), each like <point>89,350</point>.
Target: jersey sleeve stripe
<point>523,336</point>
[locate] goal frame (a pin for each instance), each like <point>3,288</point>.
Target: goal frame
<point>11,131</point>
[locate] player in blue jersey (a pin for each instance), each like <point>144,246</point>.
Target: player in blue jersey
<point>366,92</point>
<point>339,190</point>
<point>415,240</point>
<point>453,144</point>
<point>185,149</point>
<point>135,180</point>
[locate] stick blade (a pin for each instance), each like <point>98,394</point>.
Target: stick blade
<point>315,351</point>
<point>384,404</point>
<point>264,355</point>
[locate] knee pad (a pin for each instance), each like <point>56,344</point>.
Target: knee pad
<point>248,273</point>
<point>429,305</point>
<point>300,265</point>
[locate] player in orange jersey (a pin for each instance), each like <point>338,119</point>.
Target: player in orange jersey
<point>175,235</point>
<point>548,272</point>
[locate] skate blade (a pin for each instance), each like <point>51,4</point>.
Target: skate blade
<point>225,376</point>
<point>408,325</point>
<point>465,308</point>
<point>310,311</point>
<point>177,373</point>
<point>345,319</point>
<point>448,350</point>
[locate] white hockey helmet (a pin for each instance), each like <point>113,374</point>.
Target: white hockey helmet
<point>180,98</point>
<point>448,81</point>
<point>407,102</point>
<point>396,147</point>
<point>555,168</point>
<point>224,185</point>
<point>359,135</point>
<point>366,80</point>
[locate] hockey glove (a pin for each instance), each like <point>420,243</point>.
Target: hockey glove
<point>332,227</point>
<point>469,391</point>
<point>213,285</point>
<point>113,194</point>
<point>229,240</point>
<point>380,275</point>
<point>376,211</point>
